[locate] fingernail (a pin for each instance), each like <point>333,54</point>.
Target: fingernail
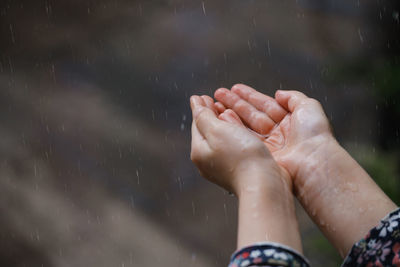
<point>194,101</point>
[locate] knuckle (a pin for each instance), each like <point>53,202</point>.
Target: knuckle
<point>266,107</point>
<point>264,124</point>
<point>314,102</point>
<point>201,117</point>
<point>239,105</point>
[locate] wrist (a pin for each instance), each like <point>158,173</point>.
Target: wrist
<point>335,191</point>
<point>269,190</point>
<point>270,205</point>
<point>267,213</point>
<point>261,177</point>
<point>316,156</point>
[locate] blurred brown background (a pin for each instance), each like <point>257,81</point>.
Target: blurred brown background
<point>95,118</point>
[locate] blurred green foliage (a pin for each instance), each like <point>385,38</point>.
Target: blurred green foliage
<point>384,169</point>
<point>387,86</point>
<point>317,244</point>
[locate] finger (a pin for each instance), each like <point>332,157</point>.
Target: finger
<point>260,101</point>
<point>206,120</point>
<point>209,103</point>
<point>199,146</point>
<point>199,143</point>
<point>219,107</point>
<point>197,138</point>
<point>231,117</point>
<point>235,116</point>
<point>255,119</point>
<point>290,100</point>
<point>196,101</point>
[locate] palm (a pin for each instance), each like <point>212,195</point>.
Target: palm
<point>277,139</point>
<point>284,127</point>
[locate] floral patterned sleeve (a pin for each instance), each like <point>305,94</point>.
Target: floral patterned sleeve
<point>267,254</point>
<point>381,246</point>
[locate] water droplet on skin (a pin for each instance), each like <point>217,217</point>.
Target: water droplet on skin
<point>251,188</point>
<point>336,191</point>
<point>193,208</point>
<point>352,187</point>
<point>313,213</point>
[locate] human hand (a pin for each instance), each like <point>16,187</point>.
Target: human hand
<point>332,187</point>
<point>292,125</point>
<point>227,154</point>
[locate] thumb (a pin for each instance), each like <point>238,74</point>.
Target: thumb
<point>290,100</point>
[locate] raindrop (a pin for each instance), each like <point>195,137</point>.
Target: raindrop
<point>396,16</point>
<point>204,8</point>
<point>361,37</point>
<point>269,48</point>
<point>226,213</point>
<point>37,236</point>
<point>193,208</point>
<point>12,34</point>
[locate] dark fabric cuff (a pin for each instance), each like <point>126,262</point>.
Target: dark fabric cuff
<point>381,246</point>
<point>267,254</point>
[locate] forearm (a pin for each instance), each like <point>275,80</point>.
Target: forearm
<point>268,215</point>
<point>340,196</point>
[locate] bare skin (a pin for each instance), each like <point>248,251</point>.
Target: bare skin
<point>229,155</point>
<point>335,191</point>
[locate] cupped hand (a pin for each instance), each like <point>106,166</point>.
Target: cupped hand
<point>292,125</point>
<point>226,153</point>
<point>334,190</point>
